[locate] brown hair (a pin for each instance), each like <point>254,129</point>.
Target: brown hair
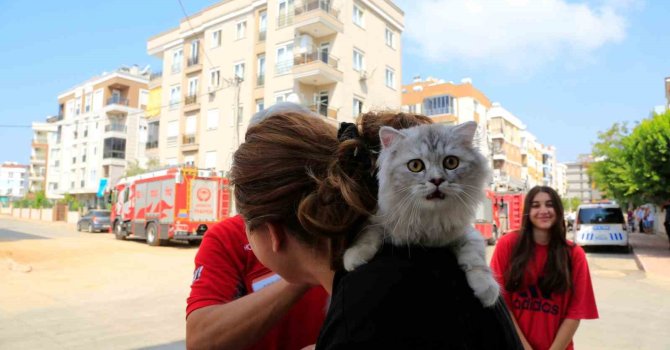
<point>292,170</point>
<point>557,276</point>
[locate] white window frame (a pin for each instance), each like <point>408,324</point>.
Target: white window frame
<point>241,30</point>
<point>195,49</point>
<point>175,96</point>
<point>263,21</point>
<point>358,16</point>
<point>282,96</point>
<point>213,119</point>
<point>389,78</point>
<point>284,58</point>
<point>359,65</point>
<point>177,60</point>
<point>389,38</point>
<point>193,86</point>
<point>356,107</point>
<point>88,101</point>
<point>238,70</point>
<point>214,77</point>
<point>216,39</point>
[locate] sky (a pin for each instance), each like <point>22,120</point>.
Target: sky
<point>567,69</point>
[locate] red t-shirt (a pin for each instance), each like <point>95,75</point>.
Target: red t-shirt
<point>227,269</point>
<point>539,316</point>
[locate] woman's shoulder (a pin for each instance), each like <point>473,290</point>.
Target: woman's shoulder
<point>509,239</point>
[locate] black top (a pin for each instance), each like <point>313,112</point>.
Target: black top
<point>412,298</point>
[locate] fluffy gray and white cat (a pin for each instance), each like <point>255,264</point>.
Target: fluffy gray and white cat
<point>431,180</point>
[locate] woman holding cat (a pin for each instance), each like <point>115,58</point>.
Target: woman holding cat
<point>545,278</point>
<point>305,192</point>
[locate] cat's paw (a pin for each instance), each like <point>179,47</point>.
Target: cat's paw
<point>359,255</point>
<point>485,287</point>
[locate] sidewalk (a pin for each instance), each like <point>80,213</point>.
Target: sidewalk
<point>652,253</point>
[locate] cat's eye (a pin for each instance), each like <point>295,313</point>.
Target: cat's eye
<point>450,162</point>
<point>415,165</point>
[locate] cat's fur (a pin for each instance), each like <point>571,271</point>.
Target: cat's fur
<point>433,207</point>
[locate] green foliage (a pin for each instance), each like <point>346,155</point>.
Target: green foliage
<point>570,204</point>
<point>134,167</point>
<point>634,166</point>
<point>72,202</point>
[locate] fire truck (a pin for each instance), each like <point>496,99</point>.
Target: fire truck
<point>178,203</point>
<point>498,214</point>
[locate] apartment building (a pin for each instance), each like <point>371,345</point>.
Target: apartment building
<point>230,60</point>
<point>531,159</point>
<point>13,181</point>
<point>548,165</point>
<point>39,155</point>
<point>579,183</point>
<point>153,115</point>
<point>561,180</point>
<point>505,131</point>
<point>100,128</point>
<point>449,103</point>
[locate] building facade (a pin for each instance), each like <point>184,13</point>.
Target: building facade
<point>506,131</point>
<point>39,156</point>
<point>449,103</point>
<point>100,129</point>
<point>579,183</point>
<point>13,181</point>
<point>561,180</point>
<point>226,62</point>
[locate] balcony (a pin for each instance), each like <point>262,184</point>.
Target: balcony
<point>189,143</point>
<point>38,160</point>
<point>118,105</point>
<point>316,68</point>
<point>285,19</point>
<point>324,110</point>
<point>115,128</point>
<point>193,65</point>
<point>151,144</point>
<point>500,155</point>
<point>317,18</point>
<point>191,103</point>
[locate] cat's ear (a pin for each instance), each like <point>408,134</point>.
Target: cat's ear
<point>466,132</point>
<point>389,135</point>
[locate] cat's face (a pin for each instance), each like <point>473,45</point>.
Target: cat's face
<point>431,167</point>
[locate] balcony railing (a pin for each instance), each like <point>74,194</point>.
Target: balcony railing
<point>152,144</point>
<point>262,34</point>
<point>192,61</point>
<point>117,100</point>
<point>313,55</point>
<point>190,99</point>
<point>285,19</point>
<point>283,67</point>
<point>114,154</point>
<point>115,127</point>
<point>317,5</point>
<point>260,80</point>
<point>188,140</point>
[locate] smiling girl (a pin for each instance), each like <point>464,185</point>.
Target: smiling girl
<point>545,277</point>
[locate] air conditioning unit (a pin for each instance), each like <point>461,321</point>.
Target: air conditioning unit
<point>364,75</point>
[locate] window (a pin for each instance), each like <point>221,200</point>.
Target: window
<point>358,16</point>
<point>87,102</point>
<point>175,96</point>
<point>390,78</point>
<point>260,79</point>
<point>98,99</point>
<point>389,38</point>
<point>214,77</point>
<point>241,30</point>
<point>239,70</point>
<point>438,105</point>
<point>358,108</point>
<point>195,52</point>
<point>284,58</point>
<point>282,96</point>
<point>260,105</point>
<point>210,160</point>
<point>216,39</point>
<point>144,97</point>
<point>285,13</point>
<point>359,62</point>
<point>262,25</point>
<point>191,125</point>
<point>77,108</point>
<point>193,86</point>
<point>172,132</point>
<point>152,134</point>
<point>114,148</point>
<point>212,119</point>
<point>177,57</point>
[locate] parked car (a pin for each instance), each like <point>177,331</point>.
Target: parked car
<point>94,220</point>
<point>601,225</point>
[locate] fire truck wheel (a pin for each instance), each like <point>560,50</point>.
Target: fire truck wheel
<point>152,235</point>
<point>118,231</point>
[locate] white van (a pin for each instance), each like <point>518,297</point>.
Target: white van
<point>600,224</point>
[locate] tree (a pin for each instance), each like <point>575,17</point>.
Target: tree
<point>570,204</point>
<point>634,167</point>
<point>134,167</point>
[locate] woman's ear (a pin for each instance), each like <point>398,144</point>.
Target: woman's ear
<point>277,235</point>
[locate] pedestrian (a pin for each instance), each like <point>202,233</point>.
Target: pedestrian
<point>545,278</point>
<point>640,218</point>
<point>666,223</point>
<point>630,217</point>
<point>649,220</point>
<point>237,303</point>
<point>304,195</point>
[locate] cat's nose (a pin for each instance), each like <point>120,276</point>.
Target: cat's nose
<point>437,181</point>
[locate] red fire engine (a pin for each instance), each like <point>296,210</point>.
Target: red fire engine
<point>174,203</point>
<point>499,214</point>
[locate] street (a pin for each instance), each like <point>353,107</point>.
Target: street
<point>62,289</point>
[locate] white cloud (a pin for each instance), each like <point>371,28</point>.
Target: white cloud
<point>511,34</point>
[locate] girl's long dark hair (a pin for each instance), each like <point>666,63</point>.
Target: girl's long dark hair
<point>556,274</point>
